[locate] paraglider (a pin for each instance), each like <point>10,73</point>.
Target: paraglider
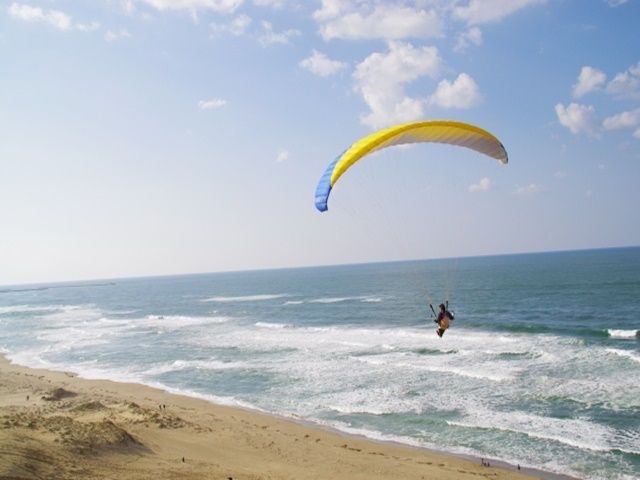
<point>433,131</point>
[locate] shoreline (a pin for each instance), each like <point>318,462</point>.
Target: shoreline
<point>101,423</point>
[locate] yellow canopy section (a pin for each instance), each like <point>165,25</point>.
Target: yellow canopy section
<point>439,131</point>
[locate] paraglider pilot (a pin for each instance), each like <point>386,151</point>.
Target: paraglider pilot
<point>443,318</point>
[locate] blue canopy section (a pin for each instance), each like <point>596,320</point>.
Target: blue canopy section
<point>324,186</point>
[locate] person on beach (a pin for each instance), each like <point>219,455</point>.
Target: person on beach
<point>443,319</point>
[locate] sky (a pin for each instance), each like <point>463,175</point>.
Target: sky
<point>153,137</point>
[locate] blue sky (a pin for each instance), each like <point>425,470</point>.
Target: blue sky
<point>148,137</point>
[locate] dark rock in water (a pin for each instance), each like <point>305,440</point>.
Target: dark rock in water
<point>59,394</point>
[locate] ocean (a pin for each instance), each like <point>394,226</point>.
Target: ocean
<point>541,366</point>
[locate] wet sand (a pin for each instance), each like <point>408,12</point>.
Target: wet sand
<point>55,425</point>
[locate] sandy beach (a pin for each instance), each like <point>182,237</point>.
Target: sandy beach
<point>56,425</point>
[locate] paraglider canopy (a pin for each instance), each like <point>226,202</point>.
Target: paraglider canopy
<point>437,131</point>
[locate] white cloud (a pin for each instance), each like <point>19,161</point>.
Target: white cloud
<point>88,27</point>
<point>269,3</point>
<point>283,156</point>
<point>624,120</point>
<point>128,6</point>
<point>462,93</point>
<point>577,118</point>
<point>240,24</point>
<point>271,37</point>
<point>560,174</point>
<point>27,13</point>
<point>267,36</point>
<point>319,64</point>
<point>483,11</point>
<point>616,3</point>
<point>111,36</point>
<point>237,26</point>
<point>55,18</point>
<point>626,84</point>
<point>464,40</point>
<point>589,79</point>
<point>391,22</point>
<point>582,118</point>
<point>530,189</point>
<point>330,9</point>
<point>223,6</point>
<point>211,104</point>
<point>482,186</point>
<point>380,79</point>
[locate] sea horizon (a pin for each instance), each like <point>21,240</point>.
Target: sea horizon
<point>328,265</point>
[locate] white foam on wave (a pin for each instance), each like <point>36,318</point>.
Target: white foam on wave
<point>468,371</point>
<point>624,353</point>
<point>575,432</point>
<point>28,308</point>
<point>78,328</point>
<point>376,435</point>
<point>74,337</point>
<point>330,363</point>
<point>177,321</point>
<point>180,365</point>
<point>363,299</point>
<point>60,328</point>
<point>333,299</point>
<point>81,326</point>
<point>320,340</point>
<point>119,312</point>
<point>328,300</point>
<point>629,334</point>
<point>271,325</point>
<point>376,400</point>
<point>68,314</point>
<point>31,358</point>
<point>73,326</point>
<point>49,311</point>
<point>353,344</point>
<point>480,374</point>
<point>327,342</point>
<point>218,400</point>
<point>246,298</point>
<point>371,300</point>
